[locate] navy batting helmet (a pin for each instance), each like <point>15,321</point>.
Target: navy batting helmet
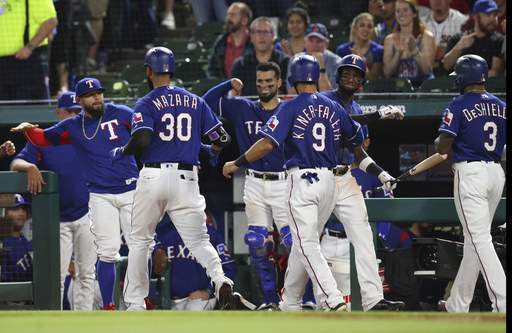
<point>160,59</point>
<point>351,60</point>
<point>469,68</point>
<point>303,68</point>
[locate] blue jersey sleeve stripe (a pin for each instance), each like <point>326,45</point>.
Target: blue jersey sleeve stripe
<point>444,130</point>
<point>269,136</point>
<point>143,127</point>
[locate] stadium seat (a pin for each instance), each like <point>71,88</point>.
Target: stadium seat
<point>187,50</point>
<point>496,84</point>
<point>442,84</point>
<point>385,86</point>
<point>133,74</point>
<point>117,89</point>
<point>207,32</point>
<point>201,86</point>
<point>190,72</point>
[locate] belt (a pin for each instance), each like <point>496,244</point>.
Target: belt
<point>315,167</point>
<point>170,165</point>
<point>266,175</point>
<point>471,161</point>
<point>335,233</point>
<point>340,171</point>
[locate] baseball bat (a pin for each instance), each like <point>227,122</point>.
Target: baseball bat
<point>420,167</point>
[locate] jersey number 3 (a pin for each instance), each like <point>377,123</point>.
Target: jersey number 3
<point>181,127</point>
<point>492,129</point>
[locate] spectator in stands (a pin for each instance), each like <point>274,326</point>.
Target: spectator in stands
<point>361,44</point>
<point>374,10</point>
<point>297,21</point>
<point>98,9</point>
<point>410,51</point>
<point>483,41</point>
<point>60,49</point>
<point>263,33</point>
<point>443,22</point>
<point>7,148</point>
<point>504,48</point>
<point>317,42</point>
<point>23,72</point>
<point>232,44</point>
<point>502,5</point>
<point>17,261</point>
<point>209,10</point>
<point>387,12</point>
<point>168,21</point>
<point>459,5</point>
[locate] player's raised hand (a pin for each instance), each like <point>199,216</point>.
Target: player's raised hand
<point>237,85</point>
<point>115,155</point>
<point>390,112</point>
<point>388,181</point>
<point>7,148</point>
<point>214,156</point>
<point>24,127</point>
<point>229,168</point>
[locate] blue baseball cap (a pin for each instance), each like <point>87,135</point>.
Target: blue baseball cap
<point>87,84</point>
<point>18,200</point>
<point>317,29</point>
<point>485,6</point>
<point>68,101</point>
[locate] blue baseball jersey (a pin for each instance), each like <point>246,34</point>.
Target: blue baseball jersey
<point>17,261</point>
<point>311,126</point>
<point>248,117</point>
<point>103,135</point>
<point>479,124</point>
<point>74,195</point>
<point>345,150</point>
<point>177,119</point>
<point>187,274</point>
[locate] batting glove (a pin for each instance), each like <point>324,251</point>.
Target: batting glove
<point>115,155</point>
<point>214,157</point>
<point>388,181</point>
<point>387,112</point>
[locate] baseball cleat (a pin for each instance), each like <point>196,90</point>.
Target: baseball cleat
<point>385,305</point>
<point>342,307</point>
<point>225,296</point>
<point>441,306</point>
<point>149,305</point>
<point>267,307</point>
<point>308,306</point>
<point>110,307</point>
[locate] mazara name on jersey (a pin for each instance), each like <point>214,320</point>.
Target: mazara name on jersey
<point>485,110</point>
<point>309,113</point>
<point>175,100</point>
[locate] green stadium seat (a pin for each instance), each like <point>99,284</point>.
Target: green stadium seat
<point>133,74</point>
<point>187,50</point>
<point>387,85</point>
<point>117,88</point>
<point>207,32</point>
<point>201,86</point>
<point>443,84</point>
<point>190,72</point>
<point>496,84</point>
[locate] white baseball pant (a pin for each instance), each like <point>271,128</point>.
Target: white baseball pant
<point>308,208</point>
<point>184,304</point>
<point>76,236</point>
<point>478,187</point>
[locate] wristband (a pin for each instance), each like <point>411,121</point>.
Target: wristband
<point>31,47</point>
<point>365,163</point>
<point>322,70</point>
<point>241,161</point>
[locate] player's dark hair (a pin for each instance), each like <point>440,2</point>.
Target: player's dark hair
<point>269,66</point>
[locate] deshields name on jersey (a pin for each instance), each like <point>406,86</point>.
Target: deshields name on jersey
<point>485,110</point>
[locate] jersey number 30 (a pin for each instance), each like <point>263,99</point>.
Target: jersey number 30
<point>181,127</point>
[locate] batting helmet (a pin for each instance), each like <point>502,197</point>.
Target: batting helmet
<point>303,68</point>
<point>351,60</point>
<point>160,59</point>
<point>469,68</point>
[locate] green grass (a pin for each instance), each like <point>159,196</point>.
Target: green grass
<point>247,322</point>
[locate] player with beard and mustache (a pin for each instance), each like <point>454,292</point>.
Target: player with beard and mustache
<point>94,133</point>
<point>233,43</point>
<point>265,180</point>
<point>350,76</point>
<point>483,40</point>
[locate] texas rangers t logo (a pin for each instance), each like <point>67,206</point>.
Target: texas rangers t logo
<point>90,83</point>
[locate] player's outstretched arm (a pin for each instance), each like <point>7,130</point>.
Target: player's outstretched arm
<point>366,163</point>
<point>136,145</point>
<point>261,148</point>
<point>23,127</point>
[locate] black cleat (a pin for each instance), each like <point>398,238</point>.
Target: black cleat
<point>385,305</point>
<point>342,307</point>
<point>225,296</point>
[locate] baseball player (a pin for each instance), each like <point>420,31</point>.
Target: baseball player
<point>17,258</point>
<point>93,133</point>
<point>265,180</point>
<point>474,125</point>
<point>350,208</point>
<point>75,233</point>
<point>310,127</point>
<point>167,127</point>
<point>191,288</point>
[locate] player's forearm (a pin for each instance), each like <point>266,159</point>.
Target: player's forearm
<point>36,137</point>
<point>366,118</point>
<point>22,165</point>
<point>137,143</point>
<point>213,96</point>
<point>261,148</point>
